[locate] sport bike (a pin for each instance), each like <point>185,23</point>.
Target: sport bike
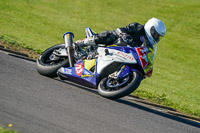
<point>114,70</point>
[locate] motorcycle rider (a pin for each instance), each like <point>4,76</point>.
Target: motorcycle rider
<point>134,35</point>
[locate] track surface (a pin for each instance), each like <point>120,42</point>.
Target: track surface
<point>37,104</point>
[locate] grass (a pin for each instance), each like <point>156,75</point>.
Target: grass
<point>40,24</point>
<point>3,130</point>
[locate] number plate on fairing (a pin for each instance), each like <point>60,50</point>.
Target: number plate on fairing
<point>142,53</point>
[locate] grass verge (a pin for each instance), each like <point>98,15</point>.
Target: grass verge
<point>4,130</point>
<point>162,99</point>
<point>14,46</point>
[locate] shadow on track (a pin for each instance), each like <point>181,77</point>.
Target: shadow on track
<point>134,105</point>
<point>172,117</point>
<point>78,86</point>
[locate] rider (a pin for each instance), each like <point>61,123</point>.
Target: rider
<point>134,35</point>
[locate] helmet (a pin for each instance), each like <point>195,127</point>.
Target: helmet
<point>155,30</point>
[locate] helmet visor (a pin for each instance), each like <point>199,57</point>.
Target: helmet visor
<point>156,36</point>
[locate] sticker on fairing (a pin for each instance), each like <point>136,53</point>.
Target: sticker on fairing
<point>125,56</point>
<point>68,71</point>
<point>79,69</point>
<point>142,52</point>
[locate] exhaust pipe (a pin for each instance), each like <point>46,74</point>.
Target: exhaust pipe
<point>68,36</point>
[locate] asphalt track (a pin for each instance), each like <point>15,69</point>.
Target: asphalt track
<point>36,104</point>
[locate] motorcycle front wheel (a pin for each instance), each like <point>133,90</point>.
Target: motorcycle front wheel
<point>115,88</point>
<point>48,63</point>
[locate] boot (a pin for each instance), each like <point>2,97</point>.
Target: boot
<point>86,42</point>
<point>90,41</point>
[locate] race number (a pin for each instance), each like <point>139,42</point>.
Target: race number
<point>79,69</point>
<point>142,52</point>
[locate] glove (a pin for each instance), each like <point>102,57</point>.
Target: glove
<point>127,38</point>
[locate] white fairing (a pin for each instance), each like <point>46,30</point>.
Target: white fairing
<point>113,56</point>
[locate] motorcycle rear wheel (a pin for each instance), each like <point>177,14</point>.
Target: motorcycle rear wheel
<point>116,91</point>
<point>48,65</point>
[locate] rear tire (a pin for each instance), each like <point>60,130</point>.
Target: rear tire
<point>49,68</point>
<point>114,93</point>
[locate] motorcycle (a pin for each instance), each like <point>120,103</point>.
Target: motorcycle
<point>116,71</point>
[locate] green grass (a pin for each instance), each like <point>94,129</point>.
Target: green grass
<point>3,130</point>
<point>39,24</point>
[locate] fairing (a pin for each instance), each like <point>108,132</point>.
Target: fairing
<point>80,74</point>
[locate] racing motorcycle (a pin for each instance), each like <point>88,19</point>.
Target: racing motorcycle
<point>114,70</point>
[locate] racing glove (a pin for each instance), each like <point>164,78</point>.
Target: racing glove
<point>126,38</point>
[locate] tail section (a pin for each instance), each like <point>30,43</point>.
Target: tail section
<point>89,32</point>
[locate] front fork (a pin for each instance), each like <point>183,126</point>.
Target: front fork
<point>120,73</point>
<point>123,71</point>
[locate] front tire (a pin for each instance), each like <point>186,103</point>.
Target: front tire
<point>119,91</point>
<point>48,66</point>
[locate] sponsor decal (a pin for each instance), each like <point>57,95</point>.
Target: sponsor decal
<point>68,71</point>
<point>79,69</point>
<point>83,76</point>
<point>124,55</point>
<point>67,36</point>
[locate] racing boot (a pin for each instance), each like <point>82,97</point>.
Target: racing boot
<point>90,41</point>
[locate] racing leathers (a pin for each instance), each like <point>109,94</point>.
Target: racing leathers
<point>132,35</point>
